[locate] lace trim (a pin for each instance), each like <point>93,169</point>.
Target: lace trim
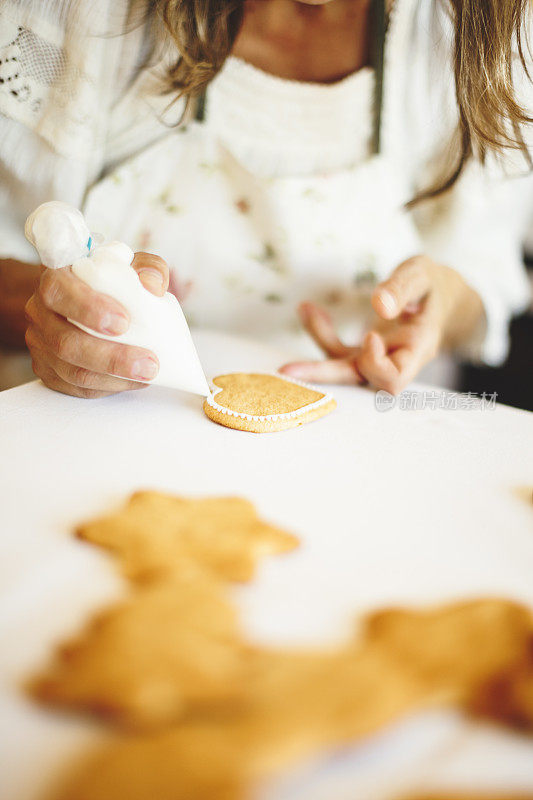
<point>27,65</point>
<point>31,68</point>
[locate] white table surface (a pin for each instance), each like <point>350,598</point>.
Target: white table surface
<point>396,507</point>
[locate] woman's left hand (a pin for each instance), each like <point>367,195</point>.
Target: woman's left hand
<point>422,306</point>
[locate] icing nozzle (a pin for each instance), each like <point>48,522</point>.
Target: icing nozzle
<point>59,233</point>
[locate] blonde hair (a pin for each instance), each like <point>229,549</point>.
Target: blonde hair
<point>488,33</point>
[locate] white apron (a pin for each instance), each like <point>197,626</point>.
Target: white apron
<point>273,199</point>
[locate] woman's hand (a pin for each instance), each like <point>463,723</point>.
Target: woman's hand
<point>420,308</point>
<point>73,362</point>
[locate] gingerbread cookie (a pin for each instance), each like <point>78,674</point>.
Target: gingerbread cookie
<point>156,535</point>
<point>452,794</point>
<point>459,645</point>
<point>169,648</point>
<point>214,711</point>
<point>262,403</point>
<point>193,762</point>
<point>507,696</point>
<point>297,703</point>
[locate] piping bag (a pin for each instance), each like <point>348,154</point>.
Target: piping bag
<point>60,235</point>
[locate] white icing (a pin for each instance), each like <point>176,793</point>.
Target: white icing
<point>59,233</point>
<point>298,412</point>
<point>61,237</point>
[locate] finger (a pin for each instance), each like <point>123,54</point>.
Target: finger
<point>318,324</point>
<point>53,381</point>
<point>65,294</point>
<point>153,272</point>
<point>389,371</point>
<point>406,287</point>
<point>79,376</point>
<point>70,344</point>
<point>341,371</point>
<point>376,366</point>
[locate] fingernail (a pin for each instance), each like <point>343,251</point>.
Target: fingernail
<point>294,370</point>
<point>114,324</point>
<point>151,278</point>
<point>144,369</point>
<point>387,300</point>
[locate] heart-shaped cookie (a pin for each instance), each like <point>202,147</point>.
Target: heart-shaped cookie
<point>261,403</point>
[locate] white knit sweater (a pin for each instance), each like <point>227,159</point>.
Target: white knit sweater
<point>76,119</point>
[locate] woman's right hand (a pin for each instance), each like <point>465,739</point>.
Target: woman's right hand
<point>71,361</point>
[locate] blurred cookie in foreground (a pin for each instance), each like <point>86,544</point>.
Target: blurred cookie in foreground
<point>206,712</point>
<point>458,646</point>
<point>190,763</point>
<point>288,705</point>
<point>507,696</point>
<point>155,535</point>
<point>167,649</point>
<point>453,795</point>
<point>264,403</point>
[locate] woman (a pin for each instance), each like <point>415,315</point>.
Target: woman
<point>292,182</point>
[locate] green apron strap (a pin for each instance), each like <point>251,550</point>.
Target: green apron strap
<point>378,31</point>
<point>199,113</point>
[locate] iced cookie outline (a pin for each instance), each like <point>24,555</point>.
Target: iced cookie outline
<point>263,423</point>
